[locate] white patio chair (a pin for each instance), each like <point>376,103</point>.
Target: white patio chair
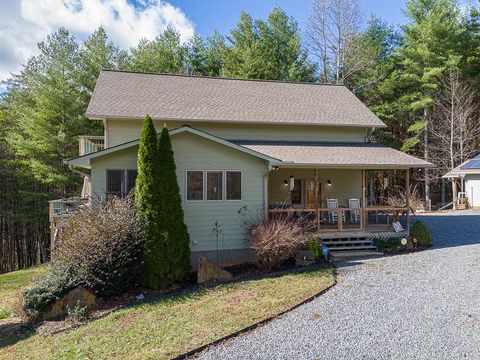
<point>354,214</point>
<point>333,215</point>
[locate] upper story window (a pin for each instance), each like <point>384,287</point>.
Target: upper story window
<point>120,182</point>
<point>213,185</point>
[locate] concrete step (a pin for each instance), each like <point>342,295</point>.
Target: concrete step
<point>336,255</point>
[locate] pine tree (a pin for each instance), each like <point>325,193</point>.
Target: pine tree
<point>50,111</point>
<point>177,241</point>
<point>97,53</point>
<point>164,54</point>
<point>267,49</point>
<point>147,197</point>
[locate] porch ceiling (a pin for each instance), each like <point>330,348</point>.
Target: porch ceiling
<point>337,155</point>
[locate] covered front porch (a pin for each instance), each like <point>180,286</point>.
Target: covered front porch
<point>341,202</point>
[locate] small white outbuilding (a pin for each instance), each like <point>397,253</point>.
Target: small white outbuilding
<point>468,176</point>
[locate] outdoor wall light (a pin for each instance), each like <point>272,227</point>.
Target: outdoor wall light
<point>275,168</point>
<point>285,183</point>
<point>329,183</point>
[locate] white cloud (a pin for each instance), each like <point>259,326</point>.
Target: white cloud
<point>24,23</point>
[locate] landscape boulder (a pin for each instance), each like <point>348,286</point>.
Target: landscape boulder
<point>304,258</point>
<point>208,271</point>
<point>79,296</point>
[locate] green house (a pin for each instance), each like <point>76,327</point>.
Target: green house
<point>244,149</point>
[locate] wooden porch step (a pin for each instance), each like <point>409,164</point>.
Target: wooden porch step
<point>352,247</point>
<point>348,241</point>
<point>342,244</point>
<point>337,255</point>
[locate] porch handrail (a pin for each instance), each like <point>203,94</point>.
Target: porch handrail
<point>341,210</point>
<point>370,208</point>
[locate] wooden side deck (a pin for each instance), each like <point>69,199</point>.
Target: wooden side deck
<point>59,211</point>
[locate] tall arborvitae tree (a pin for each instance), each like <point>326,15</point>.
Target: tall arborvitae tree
<point>176,252</point>
<point>147,197</point>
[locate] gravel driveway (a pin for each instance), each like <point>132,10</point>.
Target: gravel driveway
<point>418,306</point>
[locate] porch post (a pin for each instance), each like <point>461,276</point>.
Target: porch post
<point>454,193</point>
<point>364,198</point>
<point>407,196</point>
<point>315,197</point>
<point>265,194</point>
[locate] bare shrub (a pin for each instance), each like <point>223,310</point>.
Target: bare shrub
<point>415,201</point>
<point>103,243</point>
<point>275,240</point>
<point>100,250</point>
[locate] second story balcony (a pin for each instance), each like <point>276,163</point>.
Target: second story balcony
<point>89,144</point>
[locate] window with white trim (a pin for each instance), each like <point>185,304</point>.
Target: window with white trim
<point>214,185</point>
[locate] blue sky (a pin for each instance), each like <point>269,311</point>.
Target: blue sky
<point>209,15</point>
<point>24,23</point>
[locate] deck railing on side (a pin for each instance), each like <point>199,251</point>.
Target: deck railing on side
<point>59,212</point>
<point>89,144</point>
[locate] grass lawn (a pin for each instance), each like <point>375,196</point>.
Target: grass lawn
<point>168,327</point>
<point>11,284</point>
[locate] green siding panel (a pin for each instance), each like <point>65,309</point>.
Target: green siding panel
<point>120,131</point>
<point>191,153</point>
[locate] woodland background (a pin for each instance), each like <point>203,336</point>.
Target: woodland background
<point>421,79</point>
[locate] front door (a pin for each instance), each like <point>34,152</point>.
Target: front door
<point>310,194</point>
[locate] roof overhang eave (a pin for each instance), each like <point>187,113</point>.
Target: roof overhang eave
<point>353,166</point>
<point>93,116</point>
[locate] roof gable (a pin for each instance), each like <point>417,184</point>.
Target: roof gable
<point>130,95</point>
<point>84,161</point>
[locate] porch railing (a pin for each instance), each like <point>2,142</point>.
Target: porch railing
<point>380,218</point>
<point>90,144</point>
<point>59,212</point>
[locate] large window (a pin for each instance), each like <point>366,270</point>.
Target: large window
<point>194,185</point>
<point>214,185</point>
<point>234,185</point>
<point>120,182</point>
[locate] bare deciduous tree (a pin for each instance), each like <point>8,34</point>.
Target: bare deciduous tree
<point>334,34</point>
<point>454,124</point>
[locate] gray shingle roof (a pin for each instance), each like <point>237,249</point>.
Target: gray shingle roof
<point>337,154</point>
<point>175,97</point>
